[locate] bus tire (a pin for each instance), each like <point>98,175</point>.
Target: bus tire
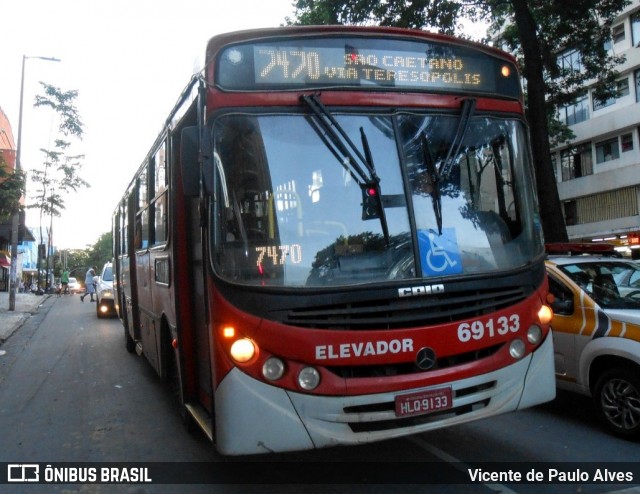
<point>617,400</point>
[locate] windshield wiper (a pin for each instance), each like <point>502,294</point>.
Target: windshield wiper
<point>436,175</point>
<point>434,179</point>
<point>354,162</point>
<point>468,108</point>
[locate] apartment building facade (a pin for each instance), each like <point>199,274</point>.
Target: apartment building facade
<point>598,174</point>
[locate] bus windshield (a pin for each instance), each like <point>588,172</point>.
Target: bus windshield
<point>289,210</point>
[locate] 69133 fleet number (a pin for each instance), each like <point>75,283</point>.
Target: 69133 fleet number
<point>491,328</point>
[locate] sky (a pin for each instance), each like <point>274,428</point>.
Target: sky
<point>129,60</point>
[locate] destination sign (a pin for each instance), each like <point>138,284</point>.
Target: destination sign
<point>363,62</point>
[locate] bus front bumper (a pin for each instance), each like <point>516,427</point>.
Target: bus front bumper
<point>254,417</point>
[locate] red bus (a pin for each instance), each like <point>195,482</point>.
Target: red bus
<point>335,240</point>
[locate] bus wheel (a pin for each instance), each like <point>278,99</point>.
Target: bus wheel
<point>617,401</point>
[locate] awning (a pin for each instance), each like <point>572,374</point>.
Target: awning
<point>5,260</point>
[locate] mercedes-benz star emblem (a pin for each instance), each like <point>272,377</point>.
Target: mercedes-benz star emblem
<point>426,358</point>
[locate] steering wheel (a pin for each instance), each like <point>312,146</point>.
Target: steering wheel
<point>634,294</point>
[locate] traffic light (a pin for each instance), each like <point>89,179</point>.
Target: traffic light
<point>370,202</point>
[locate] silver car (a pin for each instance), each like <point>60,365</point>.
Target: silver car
<point>104,293</point>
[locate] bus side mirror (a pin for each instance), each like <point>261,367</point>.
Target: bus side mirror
<point>190,144</point>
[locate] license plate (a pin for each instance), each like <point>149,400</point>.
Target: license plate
<point>424,402</point>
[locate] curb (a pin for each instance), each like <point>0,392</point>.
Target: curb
<point>12,320</point>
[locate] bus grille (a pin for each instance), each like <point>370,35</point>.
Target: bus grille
<point>398,313</point>
<point>397,369</point>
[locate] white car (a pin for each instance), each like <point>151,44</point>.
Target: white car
<point>75,286</point>
<point>596,333</point>
<point>104,293</point>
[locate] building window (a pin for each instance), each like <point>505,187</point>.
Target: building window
<point>575,113</point>
<point>576,162</point>
<point>622,89</point>
<point>570,213</point>
<point>637,79</point>
<point>626,142</point>
<point>607,150</point>
<point>635,29</point>
<point>599,103</point>
<point>617,33</point>
<point>570,61</point>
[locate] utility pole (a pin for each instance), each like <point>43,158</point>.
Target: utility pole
<point>15,220</point>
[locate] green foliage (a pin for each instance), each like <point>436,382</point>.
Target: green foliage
<point>79,260</point>
<point>62,103</point>
<point>416,14</point>
<point>101,251</point>
<point>562,27</point>
<point>12,187</point>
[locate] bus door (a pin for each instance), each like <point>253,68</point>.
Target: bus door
<point>149,333</point>
<point>129,283</point>
<point>117,249</point>
<point>193,292</point>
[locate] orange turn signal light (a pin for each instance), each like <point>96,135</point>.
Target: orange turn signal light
<point>545,314</point>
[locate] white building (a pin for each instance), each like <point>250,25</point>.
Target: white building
<point>598,175</point>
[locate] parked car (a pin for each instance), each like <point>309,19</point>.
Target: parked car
<point>597,333</point>
<point>75,286</point>
<point>104,292</point>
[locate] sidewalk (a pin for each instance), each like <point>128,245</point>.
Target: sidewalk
<point>26,304</point>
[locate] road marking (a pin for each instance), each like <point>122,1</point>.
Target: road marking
<point>462,467</point>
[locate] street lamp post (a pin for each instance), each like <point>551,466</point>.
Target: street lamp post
<point>15,221</point>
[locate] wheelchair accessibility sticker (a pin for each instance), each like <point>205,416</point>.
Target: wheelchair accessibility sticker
<point>440,253</point>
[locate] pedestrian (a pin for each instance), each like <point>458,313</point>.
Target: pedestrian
<point>64,279</point>
<point>89,285</point>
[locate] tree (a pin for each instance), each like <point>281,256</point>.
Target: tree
<point>537,31</point>
<point>541,31</point>
<point>101,251</point>
<point>59,174</point>
<point>79,260</point>
<point>12,187</point>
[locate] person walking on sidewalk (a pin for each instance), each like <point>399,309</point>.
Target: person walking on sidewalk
<point>89,284</point>
<point>65,281</point>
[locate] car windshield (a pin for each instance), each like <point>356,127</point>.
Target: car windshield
<point>107,274</point>
<point>613,285</point>
<point>292,211</point>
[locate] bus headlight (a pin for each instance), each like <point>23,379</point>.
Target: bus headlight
<point>534,334</point>
<point>517,349</point>
<point>243,350</point>
<point>273,369</point>
<point>309,378</point>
